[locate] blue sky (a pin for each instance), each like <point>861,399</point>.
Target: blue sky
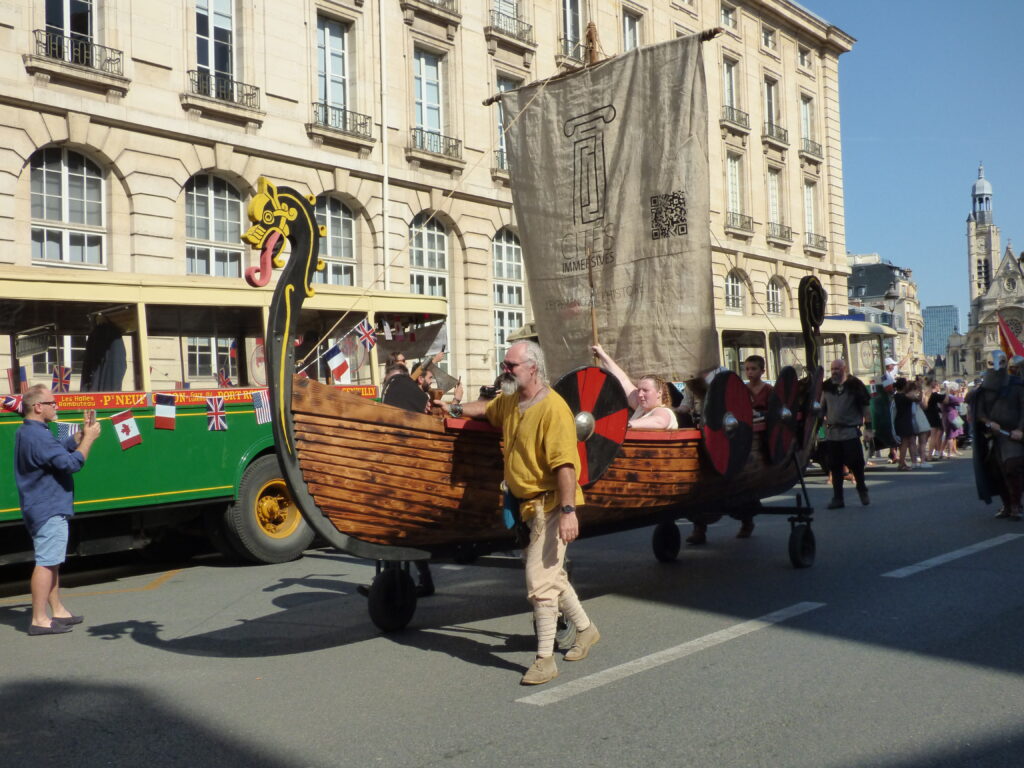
<point>928,91</point>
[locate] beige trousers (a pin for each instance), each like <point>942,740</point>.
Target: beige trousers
<point>546,579</point>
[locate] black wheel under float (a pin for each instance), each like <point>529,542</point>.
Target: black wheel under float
<point>801,545</point>
<point>602,412</point>
<point>811,406</point>
<point>666,542</point>
<point>392,598</point>
<point>780,422</point>
<point>728,423</point>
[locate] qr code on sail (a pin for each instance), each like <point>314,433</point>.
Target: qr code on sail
<point>668,215</point>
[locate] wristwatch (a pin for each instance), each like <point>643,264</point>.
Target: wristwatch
<point>455,410</point>
<point>568,509</point>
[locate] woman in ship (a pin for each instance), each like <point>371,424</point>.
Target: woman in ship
<point>649,397</point>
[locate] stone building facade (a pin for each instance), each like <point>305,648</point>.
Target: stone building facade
<point>134,133</point>
<point>884,286</point>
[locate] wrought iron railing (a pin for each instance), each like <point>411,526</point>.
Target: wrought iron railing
<point>741,221</point>
<point>572,49</point>
<point>77,50</point>
<point>811,147</point>
<point>818,242</point>
<point>512,26</point>
<point>223,88</point>
<point>776,132</point>
<point>500,160</point>
<point>737,116</point>
<point>428,141</point>
<point>445,5</point>
<point>342,120</point>
<point>780,231</point>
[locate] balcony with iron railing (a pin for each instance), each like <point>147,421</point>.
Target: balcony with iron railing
<point>443,12</point>
<point>80,51</point>
<point>811,149</point>
<point>512,27</point>
<point>780,232</point>
<point>815,242</point>
<point>501,160</point>
<point>736,117</point>
<point>739,221</point>
<point>572,50</point>
<point>344,120</point>
<point>223,88</point>
<point>77,60</point>
<point>776,133</point>
<point>445,5</point>
<point>436,143</point>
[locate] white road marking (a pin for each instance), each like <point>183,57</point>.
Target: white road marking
<point>910,570</point>
<point>644,663</point>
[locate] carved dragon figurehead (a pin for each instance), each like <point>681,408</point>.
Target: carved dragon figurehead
<point>278,216</point>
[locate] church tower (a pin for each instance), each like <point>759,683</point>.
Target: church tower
<point>982,238</point>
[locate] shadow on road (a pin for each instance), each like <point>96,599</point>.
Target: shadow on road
<point>59,724</point>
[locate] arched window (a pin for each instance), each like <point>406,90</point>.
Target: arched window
<point>338,248</point>
<point>733,292</point>
<point>774,303</point>
<point>213,227</point>
<point>428,257</point>
<point>509,310</point>
<point>67,208</point>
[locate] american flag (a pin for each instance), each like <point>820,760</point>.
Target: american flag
<point>261,402</point>
<point>12,403</point>
<point>366,335</point>
<point>216,416</point>
<point>65,429</point>
<point>223,380</point>
<point>61,379</point>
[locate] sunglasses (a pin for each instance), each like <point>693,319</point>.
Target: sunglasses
<point>47,402</point>
<point>510,366</point>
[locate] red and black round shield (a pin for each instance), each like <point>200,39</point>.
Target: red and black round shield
<point>602,411</point>
<point>780,421</point>
<point>728,423</point>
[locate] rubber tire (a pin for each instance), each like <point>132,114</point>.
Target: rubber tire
<point>801,546</point>
<point>244,530</point>
<point>666,541</point>
<point>215,528</point>
<point>392,598</point>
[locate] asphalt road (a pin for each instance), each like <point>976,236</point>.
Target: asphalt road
<point>727,657</point>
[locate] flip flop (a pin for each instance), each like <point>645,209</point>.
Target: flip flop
<point>53,629</point>
<point>67,621</point>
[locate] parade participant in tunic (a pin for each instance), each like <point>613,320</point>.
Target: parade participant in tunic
<point>541,470</point>
<point>845,407</point>
<point>1000,407</point>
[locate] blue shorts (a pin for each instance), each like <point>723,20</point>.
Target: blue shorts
<point>51,541</point>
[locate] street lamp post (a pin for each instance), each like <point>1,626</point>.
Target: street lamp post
<point>889,301</point>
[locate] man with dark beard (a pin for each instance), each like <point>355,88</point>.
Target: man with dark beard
<point>541,471</point>
<point>846,405</point>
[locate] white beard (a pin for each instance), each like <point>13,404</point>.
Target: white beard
<point>509,386</point>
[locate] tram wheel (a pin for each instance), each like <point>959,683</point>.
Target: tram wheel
<point>392,598</point>
<point>801,546</point>
<point>666,542</point>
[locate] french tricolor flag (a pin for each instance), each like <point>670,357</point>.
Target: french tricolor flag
<point>336,362</point>
<point>165,412</point>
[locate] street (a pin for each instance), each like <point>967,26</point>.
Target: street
<point>899,647</point>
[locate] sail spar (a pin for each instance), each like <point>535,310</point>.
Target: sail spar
<point>609,171</point>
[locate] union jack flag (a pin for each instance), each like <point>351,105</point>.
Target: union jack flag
<point>223,380</point>
<point>366,335</point>
<point>216,416</point>
<point>61,379</point>
<point>12,403</point>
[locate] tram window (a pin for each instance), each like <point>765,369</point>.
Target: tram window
<point>737,346</point>
<point>787,349</point>
<point>832,347</point>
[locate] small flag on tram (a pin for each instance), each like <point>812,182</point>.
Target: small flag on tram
<point>66,429</point>
<point>366,335</point>
<point>17,379</point>
<point>233,350</point>
<point>223,380</point>
<point>336,362</point>
<point>61,379</point>
<point>182,385</point>
<point>261,402</point>
<point>126,428</point>
<point>165,412</point>
<point>216,416</point>
<point>12,403</point>
<point>387,331</point>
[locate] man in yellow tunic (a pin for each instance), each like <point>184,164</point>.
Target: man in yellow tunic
<point>541,470</point>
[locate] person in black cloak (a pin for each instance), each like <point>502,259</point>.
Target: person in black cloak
<point>106,360</point>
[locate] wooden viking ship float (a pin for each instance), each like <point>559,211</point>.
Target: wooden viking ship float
<point>396,486</point>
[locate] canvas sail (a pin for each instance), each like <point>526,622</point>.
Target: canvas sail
<point>609,173</point>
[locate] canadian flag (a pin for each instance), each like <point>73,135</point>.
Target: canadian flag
<point>126,428</point>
